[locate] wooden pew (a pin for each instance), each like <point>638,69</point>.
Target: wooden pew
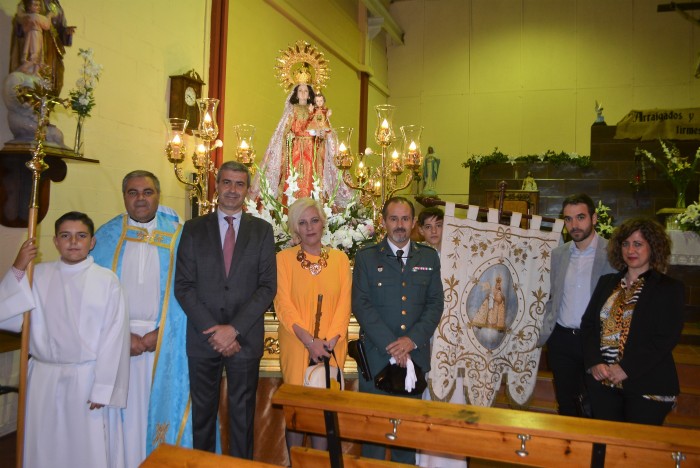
<point>505,435</point>
<point>170,456</point>
<point>309,458</point>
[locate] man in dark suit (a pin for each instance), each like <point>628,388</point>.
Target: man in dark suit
<point>576,268</point>
<point>397,298</point>
<point>225,280</point>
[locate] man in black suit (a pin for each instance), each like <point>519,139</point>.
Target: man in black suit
<point>225,280</point>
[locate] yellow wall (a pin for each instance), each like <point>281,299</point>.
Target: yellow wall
<point>139,44</point>
<point>524,75</point>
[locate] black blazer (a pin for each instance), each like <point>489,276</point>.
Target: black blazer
<point>654,331</point>
<point>210,298</point>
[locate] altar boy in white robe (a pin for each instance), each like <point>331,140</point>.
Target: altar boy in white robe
<point>79,342</point>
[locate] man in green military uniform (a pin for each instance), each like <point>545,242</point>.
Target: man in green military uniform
<point>397,299</point>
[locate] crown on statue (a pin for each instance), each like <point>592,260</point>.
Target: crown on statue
<point>302,75</point>
<point>302,63</point>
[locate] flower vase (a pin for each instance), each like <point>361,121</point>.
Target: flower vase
<point>680,200</point>
<point>78,146</point>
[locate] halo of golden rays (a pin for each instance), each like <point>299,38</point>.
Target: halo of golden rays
<point>302,63</point>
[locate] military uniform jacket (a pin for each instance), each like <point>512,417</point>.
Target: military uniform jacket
<point>389,302</point>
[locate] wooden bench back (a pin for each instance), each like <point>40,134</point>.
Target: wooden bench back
<point>170,456</point>
<point>303,457</point>
<point>505,435</point>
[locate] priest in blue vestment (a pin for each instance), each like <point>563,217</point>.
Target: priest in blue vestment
<point>140,247</point>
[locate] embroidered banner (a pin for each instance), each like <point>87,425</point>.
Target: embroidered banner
<point>670,124</point>
<point>496,281</point>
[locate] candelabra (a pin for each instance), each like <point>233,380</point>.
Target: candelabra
<point>201,157</point>
<point>377,184</point>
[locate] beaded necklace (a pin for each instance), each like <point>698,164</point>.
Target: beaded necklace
<point>314,268</point>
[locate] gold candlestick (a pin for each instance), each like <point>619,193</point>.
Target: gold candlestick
<point>201,157</point>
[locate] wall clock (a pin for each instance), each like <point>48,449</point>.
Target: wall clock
<point>184,91</point>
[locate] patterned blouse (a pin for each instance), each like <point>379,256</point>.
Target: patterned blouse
<point>615,318</point>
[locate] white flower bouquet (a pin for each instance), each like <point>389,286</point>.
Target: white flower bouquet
<point>82,98</point>
<point>604,226</point>
<point>689,220</point>
<point>347,229</point>
<point>678,169</point>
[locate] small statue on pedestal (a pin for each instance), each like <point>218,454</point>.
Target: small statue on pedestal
<point>40,35</point>
<point>599,120</point>
<point>529,183</point>
<point>431,166</point>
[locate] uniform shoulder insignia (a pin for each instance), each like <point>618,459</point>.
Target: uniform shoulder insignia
<point>368,247</point>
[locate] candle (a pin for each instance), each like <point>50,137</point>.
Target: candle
<point>175,149</point>
<point>200,153</point>
<point>384,134</point>
<point>395,165</point>
<point>413,155</point>
<point>361,171</point>
<point>199,157</point>
<point>343,159</point>
<point>208,128</point>
<point>377,188</point>
<point>244,152</point>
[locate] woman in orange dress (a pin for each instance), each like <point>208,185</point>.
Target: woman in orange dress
<point>304,272</point>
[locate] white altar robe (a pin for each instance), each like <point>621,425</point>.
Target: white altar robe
<point>141,284</point>
<point>79,342</point>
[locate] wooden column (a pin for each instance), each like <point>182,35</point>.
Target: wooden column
<point>217,70</point>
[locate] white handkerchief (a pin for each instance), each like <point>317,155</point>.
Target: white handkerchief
<point>411,378</point>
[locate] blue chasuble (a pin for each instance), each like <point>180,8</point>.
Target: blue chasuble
<point>169,412</point>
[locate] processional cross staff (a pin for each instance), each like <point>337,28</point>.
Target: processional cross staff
<point>41,100</point>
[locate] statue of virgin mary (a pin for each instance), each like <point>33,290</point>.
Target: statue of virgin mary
<point>293,145</point>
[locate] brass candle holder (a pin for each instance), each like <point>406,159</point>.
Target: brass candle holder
<point>175,151</point>
<point>378,184</point>
<point>245,153</point>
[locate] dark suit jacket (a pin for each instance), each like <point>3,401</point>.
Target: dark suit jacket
<point>388,303</point>
<point>210,298</point>
<point>655,329</point>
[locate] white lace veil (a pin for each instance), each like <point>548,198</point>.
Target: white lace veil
<point>271,164</point>
<point>343,193</point>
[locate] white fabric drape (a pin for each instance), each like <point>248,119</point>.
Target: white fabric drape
<point>496,281</point>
